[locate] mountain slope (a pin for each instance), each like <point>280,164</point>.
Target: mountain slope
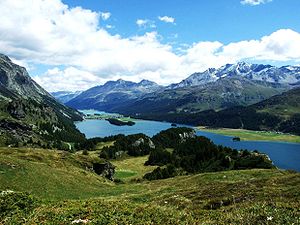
<point>286,105</point>
<point>278,113</point>
<point>28,112</point>
<point>207,198</point>
<point>223,93</point>
<point>112,93</point>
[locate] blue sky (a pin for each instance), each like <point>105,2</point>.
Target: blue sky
<point>199,20</point>
<point>77,44</point>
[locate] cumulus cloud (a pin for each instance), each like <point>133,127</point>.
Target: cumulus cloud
<point>167,19</point>
<point>71,78</point>
<point>105,15</point>
<point>50,33</point>
<point>254,2</point>
<point>145,23</point>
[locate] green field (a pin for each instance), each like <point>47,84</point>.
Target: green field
<point>132,168</point>
<point>253,135</point>
<point>64,191</point>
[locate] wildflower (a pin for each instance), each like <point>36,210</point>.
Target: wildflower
<point>269,218</point>
<point>80,221</point>
<point>6,192</point>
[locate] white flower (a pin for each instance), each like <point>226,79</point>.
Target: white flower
<point>6,192</point>
<point>269,218</point>
<point>80,221</point>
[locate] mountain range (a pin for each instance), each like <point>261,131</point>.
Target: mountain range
<point>230,85</point>
<point>28,113</point>
<point>254,72</point>
<point>112,93</point>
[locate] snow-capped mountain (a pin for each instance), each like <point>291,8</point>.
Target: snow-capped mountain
<point>255,72</point>
<point>229,85</point>
<point>65,96</point>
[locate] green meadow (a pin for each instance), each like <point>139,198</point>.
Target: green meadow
<point>56,188</point>
<point>250,135</point>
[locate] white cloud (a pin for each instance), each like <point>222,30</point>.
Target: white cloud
<point>108,26</point>
<point>50,33</point>
<point>22,63</point>
<point>254,2</point>
<point>167,19</point>
<point>145,23</point>
<point>141,22</point>
<point>105,15</point>
<point>282,45</point>
<point>68,79</point>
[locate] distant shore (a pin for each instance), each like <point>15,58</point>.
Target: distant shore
<point>250,135</point>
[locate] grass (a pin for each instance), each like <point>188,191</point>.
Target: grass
<point>254,135</point>
<point>66,191</point>
<point>99,147</point>
<point>132,168</point>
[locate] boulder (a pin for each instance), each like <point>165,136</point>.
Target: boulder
<point>105,169</point>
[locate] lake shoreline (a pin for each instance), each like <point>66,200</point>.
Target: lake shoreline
<point>244,135</point>
<point>251,135</point>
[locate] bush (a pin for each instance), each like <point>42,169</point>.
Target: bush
<point>159,157</point>
<point>15,202</point>
<point>161,173</point>
<point>133,145</point>
<point>85,152</point>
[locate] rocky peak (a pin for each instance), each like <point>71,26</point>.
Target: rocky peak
<point>15,79</point>
<point>4,58</point>
<point>147,83</point>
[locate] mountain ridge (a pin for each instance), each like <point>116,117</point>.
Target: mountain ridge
<point>260,72</point>
<point>113,91</point>
<point>28,113</point>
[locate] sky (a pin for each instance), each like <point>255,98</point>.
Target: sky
<point>73,45</point>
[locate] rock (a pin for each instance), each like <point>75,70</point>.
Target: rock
<point>186,135</point>
<point>140,141</point>
<point>105,169</point>
<point>16,109</point>
<point>236,139</point>
<point>12,126</point>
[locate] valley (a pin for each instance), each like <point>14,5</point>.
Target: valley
<point>59,165</point>
<point>149,112</point>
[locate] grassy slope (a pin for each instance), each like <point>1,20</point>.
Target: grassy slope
<point>285,105</point>
<point>248,197</point>
<point>52,175</point>
<point>254,135</point>
<point>132,168</point>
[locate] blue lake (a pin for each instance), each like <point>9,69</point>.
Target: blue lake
<point>102,128</point>
<point>284,155</point>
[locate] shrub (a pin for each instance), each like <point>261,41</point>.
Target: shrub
<point>14,203</point>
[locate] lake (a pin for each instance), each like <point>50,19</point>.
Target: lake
<point>284,155</point>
